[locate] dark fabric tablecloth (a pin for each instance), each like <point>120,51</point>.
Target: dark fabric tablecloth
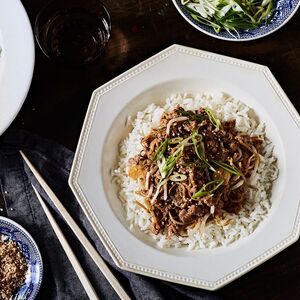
<point>60,280</point>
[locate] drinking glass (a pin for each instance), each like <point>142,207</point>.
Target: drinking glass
<point>73,31</point>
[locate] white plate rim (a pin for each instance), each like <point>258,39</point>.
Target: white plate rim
<point>16,61</point>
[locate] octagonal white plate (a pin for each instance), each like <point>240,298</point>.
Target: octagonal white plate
<point>178,69</point>
<point>16,59</point>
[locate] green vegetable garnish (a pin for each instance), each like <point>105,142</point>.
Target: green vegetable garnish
<point>176,140</point>
<point>199,150</point>
<point>230,15</point>
<point>178,177</point>
<point>192,115</point>
<point>197,139</point>
<point>207,189</point>
<point>228,168</point>
<point>160,151</point>
<point>216,122</point>
<point>171,161</point>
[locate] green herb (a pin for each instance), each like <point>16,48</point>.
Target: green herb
<point>176,140</point>
<point>160,151</point>
<point>200,152</point>
<point>208,188</point>
<point>178,177</point>
<point>230,15</point>
<point>216,122</point>
<point>192,115</point>
<point>171,161</point>
<point>228,168</point>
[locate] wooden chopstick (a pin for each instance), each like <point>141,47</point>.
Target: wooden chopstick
<point>69,252</point>
<point>79,234</point>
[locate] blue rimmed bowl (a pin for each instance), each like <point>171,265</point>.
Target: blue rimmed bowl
<point>284,10</point>
<point>10,230</point>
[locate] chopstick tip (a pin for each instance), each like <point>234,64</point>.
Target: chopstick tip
<point>22,153</point>
<point>25,158</point>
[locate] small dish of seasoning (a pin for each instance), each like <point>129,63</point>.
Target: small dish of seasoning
<point>21,267</point>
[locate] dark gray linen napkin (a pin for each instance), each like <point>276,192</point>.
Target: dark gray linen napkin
<point>60,280</point>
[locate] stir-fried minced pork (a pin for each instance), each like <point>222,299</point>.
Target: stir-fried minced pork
<point>192,168</point>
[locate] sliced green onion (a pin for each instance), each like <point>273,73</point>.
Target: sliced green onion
<point>216,122</point>
<point>228,168</point>
<point>187,141</point>
<point>177,177</point>
<point>217,28</point>
<point>230,15</point>
<point>184,2</point>
<point>160,151</point>
<point>192,115</point>
<point>206,190</point>
<point>200,150</point>
<point>171,161</point>
<point>176,140</point>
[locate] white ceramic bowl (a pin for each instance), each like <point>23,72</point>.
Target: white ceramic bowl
<point>179,69</point>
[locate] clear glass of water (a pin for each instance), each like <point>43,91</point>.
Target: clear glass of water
<point>73,31</point>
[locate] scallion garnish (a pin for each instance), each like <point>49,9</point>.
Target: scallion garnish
<point>216,122</point>
<point>171,161</point>
<point>230,15</point>
<point>178,177</point>
<point>228,168</point>
<point>176,140</point>
<point>207,189</point>
<point>192,115</point>
<point>160,150</point>
<point>200,152</point>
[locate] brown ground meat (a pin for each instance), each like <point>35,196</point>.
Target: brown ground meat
<point>206,152</point>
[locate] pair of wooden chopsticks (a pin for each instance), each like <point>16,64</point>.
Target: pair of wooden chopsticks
<point>81,237</point>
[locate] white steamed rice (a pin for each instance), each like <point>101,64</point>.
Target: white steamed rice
<point>233,227</point>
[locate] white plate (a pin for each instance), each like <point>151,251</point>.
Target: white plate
<point>16,59</point>
<point>184,69</point>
